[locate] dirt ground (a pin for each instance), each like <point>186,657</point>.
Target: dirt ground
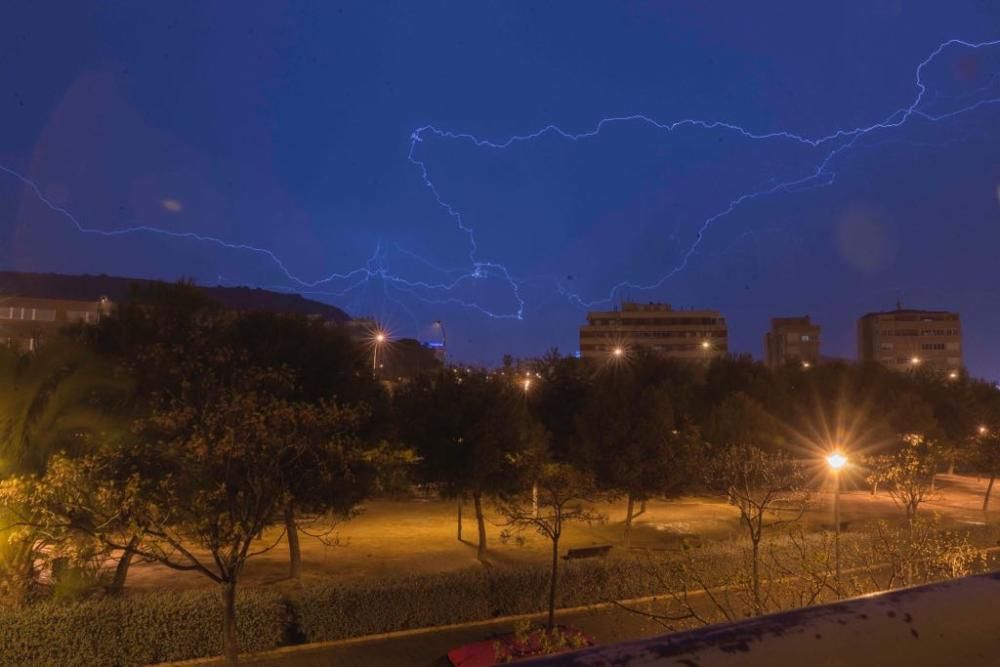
<point>390,537</point>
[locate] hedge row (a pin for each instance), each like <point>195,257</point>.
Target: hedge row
<point>159,627</point>
<point>327,612</point>
<point>137,630</point>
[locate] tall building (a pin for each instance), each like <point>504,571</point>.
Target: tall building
<point>792,339</point>
<point>696,335</point>
<point>908,339</point>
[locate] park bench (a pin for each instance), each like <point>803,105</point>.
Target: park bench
<point>587,552</point>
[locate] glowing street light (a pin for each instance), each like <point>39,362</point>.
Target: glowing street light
<point>836,461</point>
<point>378,340</point>
<point>618,351</point>
<point>527,385</point>
<point>705,345</point>
<point>806,365</point>
<point>953,375</point>
<point>982,430</point>
<point>914,361</point>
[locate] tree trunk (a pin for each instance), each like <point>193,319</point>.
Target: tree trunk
<point>477,499</point>
<point>230,640</point>
<point>755,575</point>
<point>534,500</point>
<point>460,519</point>
<point>294,551</point>
<point>989,489</point>
<point>121,570</point>
<point>951,464</point>
<point>629,510</point>
<point>933,482</point>
<point>875,488</point>
<point>553,584</point>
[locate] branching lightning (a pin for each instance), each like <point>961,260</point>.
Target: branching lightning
<point>455,285</point>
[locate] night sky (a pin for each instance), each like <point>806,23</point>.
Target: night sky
<point>390,158</point>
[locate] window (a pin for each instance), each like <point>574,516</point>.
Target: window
<point>81,316</point>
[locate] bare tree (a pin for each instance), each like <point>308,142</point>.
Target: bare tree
<point>564,494</point>
<point>767,490</point>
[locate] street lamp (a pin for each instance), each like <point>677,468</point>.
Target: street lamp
<point>953,375</point>
<point>806,365</point>
<point>618,351</point>
<point>914,361</point>
<point>378,339</point>
<point>836,461</point>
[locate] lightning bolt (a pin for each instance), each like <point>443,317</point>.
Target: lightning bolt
<point>831,146</point>
<point>456,283</point>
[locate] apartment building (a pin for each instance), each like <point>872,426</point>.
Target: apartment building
<point>792,339</point>
<point>910,339</point>
<point>695,335</point>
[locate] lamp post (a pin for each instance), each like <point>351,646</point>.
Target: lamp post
<point>836,461</point>
<point>378,340</point>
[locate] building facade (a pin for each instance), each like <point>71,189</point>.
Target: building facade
<point>26,321</point>
<point>910,339</point>
<point>792,339</point>
<point>695,335</point>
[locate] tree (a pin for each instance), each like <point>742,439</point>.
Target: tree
<point>985,455</point>
<point>761,485</point>
<point>323,472</point>
<point>472,436</point>
<point>910,471</point>
<point>878,467</point>
<point>558,399</point>
<point>563,495</point>
<point>740,420</point>
<point>206,474</point>
<point>63,398</point>
<point>628,437</point>
<point>163,327</point>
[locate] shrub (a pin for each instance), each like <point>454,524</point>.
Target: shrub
<point>327,612</point>
<point>136,630</point>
